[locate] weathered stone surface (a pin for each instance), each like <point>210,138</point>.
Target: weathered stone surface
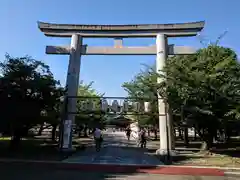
<point>120,31</point>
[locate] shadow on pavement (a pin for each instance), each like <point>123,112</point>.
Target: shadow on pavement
<point>114,151</point>
<point>14,171</point>
<point>112,162</point>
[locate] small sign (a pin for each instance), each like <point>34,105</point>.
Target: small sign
<point>67,133</point>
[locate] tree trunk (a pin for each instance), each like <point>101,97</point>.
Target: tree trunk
<point>174,131</point>
<point>186,141</point>
<point>155,134</point>
<point>54,128</point>
<point>149,132</point>
<point>171,130</point>
<point>16,138</point>
<point>204,146</point>
<point>80,129</point>
<point>180,133</point>
<point>195,134</point>
<point>15,142</point>
<point>228,134</point>
<point>85,132</point>
<point>40,130</point>
<point>208,142</point>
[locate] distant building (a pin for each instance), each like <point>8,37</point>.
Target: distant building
<point>119,120</point>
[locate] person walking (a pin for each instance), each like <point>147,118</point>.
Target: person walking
<point>98,139</point>
<point>143,139</point>
<point>128,132</point>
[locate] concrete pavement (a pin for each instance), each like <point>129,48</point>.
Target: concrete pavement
<point>17,172</point>
<point>118,159</point>
<point>120,155</point>
<point>116,149</point>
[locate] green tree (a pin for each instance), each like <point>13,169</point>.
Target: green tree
<point>27,88</point>
<point>52,112</point>
<point>204,86</point>
<point>86,119</point>
<point>144,87</point>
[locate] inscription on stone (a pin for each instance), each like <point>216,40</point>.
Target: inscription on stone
<point>106,27</point>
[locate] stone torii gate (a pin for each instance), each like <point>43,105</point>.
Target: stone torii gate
<point>118,32</point>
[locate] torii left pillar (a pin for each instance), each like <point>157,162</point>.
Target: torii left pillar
<point>72,84</point>
<point>166,148</point>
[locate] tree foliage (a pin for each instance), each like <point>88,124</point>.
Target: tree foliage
<point>144,86</point>
<point>27,89</point>
<point>205,86</point>
<point>89,98</point>
<point>30,96</point>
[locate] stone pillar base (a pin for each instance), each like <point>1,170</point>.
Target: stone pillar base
<point>166,155</point>
<point>164,152</point>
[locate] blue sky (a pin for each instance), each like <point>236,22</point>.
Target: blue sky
<point>20,36</point>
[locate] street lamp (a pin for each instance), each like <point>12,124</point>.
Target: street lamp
<point>104,105</point>
<point>125,106</point>
<point>136,106</point>
<point>115,106</point>
<point>147,107</point>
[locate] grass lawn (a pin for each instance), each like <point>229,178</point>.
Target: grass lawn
<point>35,149</point>
<point>213,159</point>
<point>224,155</point>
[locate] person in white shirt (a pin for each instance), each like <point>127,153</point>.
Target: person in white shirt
<point>98,138</point>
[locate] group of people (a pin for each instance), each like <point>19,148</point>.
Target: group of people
<point>98,137</point>
<point>142,138</point>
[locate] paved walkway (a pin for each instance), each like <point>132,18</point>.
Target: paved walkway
<point>116,149</point>
<point>25,172</point>
<point>31,173</point>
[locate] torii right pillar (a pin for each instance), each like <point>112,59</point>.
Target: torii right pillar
<point>166,148</point>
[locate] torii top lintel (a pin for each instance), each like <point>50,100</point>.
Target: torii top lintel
<point>121,31</point>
